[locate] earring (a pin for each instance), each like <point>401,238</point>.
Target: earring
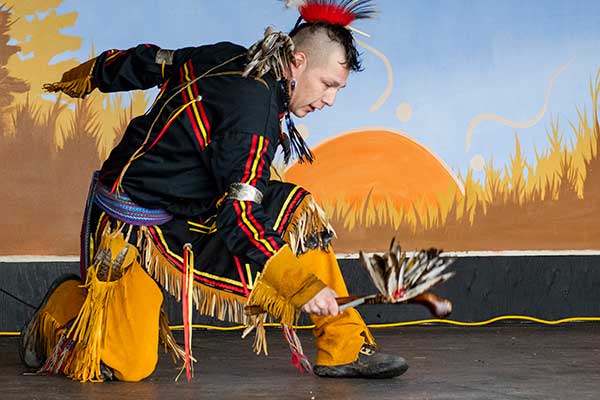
<point>293,84</point>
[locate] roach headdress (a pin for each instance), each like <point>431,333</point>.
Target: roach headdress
<point>336,12</point>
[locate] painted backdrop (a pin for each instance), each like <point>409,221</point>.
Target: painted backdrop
<point>473,127</point>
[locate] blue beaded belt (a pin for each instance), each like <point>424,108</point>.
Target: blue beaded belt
<point>121,207</point>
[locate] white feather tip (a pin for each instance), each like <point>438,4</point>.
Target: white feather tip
<point>294,3</point>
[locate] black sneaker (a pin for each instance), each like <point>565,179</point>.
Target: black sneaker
<point>30,347</point>
<point>370,364</point>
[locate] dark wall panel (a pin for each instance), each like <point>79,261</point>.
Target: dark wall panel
<point>549,287</point>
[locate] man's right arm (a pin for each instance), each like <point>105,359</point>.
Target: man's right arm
<point>137,68</point>
<point>140,67</point>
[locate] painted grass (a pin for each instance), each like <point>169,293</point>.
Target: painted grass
<point>48,160</point>
<point>551,203</point>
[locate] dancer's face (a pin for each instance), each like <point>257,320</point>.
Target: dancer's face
<point>317,81</point>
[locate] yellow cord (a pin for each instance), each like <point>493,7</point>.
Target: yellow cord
<point>487,322</point>
<point>420,322</point>
<point>398,324</point>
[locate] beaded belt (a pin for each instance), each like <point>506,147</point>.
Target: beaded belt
<point>118,206</point>
<point>121,207</point>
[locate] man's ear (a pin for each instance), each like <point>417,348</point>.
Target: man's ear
<point>299,61</point>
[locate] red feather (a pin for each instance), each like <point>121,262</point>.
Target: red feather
<point>330,13</point>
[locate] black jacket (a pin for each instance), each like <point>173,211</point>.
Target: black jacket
<point>198,137</point>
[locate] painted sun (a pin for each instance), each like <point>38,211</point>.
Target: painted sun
<point>387,164</point>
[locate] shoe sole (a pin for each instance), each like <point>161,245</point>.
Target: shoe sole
<point>353,372</point>
<point>55,284</point>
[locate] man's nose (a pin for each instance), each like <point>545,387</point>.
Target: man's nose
<point>329,98</point>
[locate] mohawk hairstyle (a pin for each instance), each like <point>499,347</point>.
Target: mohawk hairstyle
<point>338,12</point>
<point>334,17</point>
<point>338,34</point>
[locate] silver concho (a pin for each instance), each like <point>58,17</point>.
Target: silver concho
<point>244,192</point>
<point>164,56</point>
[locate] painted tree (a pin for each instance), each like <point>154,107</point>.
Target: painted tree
<point>9,85</point>
<point>37,31</point>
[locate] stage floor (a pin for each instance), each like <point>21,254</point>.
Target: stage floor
<point>495,362</point>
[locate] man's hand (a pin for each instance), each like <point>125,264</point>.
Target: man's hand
<point>323,303</point>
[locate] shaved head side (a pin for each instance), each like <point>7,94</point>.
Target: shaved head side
<point>319,41</point>
<point>317,46</point>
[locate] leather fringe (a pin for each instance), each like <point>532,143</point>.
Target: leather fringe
<point>78,88</point>
<point>273,303</point>
<point>47,331</point>
<point>88,331</point>
<point>76,82</point>
<point>166,338</point>
<point>208,301</point>
<point>309,228</point>
<point>260,338</point>
<point>81,354</point>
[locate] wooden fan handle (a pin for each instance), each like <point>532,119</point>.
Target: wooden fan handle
<point>346,299</point>
<point>255,310</point>
<point>437,305</point>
